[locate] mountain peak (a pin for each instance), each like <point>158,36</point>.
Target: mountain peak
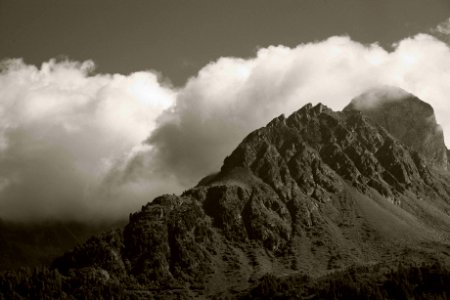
<point>309,108</point>
<point>407,118</point>
<point>316,191</point>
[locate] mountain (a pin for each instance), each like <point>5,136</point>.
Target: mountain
<point>312,194</point>
<point>407,118</point>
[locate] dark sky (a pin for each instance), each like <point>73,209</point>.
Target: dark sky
<point>179,37</point>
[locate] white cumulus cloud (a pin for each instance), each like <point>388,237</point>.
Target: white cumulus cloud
<point>74,143</point>
<point>62,130</point>
<point>232,96</point>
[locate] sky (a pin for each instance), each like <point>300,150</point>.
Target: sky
<point>179,37</point>
<point>105,105</point>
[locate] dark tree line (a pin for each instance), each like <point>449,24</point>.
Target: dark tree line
<point>403,282</point>
<point>417,282</point>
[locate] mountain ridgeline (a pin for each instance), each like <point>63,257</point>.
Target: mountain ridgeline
<point>312,194</point>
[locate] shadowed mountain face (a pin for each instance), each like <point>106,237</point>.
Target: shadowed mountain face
<point>407,118</point>
<point>314,192</point>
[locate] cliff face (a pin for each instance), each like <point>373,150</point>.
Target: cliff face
<point>448,161</point>
<point>316,150</point>
<point>407,118</point>
<point>316,191</point>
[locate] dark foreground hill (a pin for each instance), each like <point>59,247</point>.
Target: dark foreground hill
<point>34,244</point>
<point>323,201</point>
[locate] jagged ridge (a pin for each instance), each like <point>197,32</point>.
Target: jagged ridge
<point>316,191</point>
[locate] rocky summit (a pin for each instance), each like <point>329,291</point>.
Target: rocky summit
<point>317,192</point>
<point>407,118</point>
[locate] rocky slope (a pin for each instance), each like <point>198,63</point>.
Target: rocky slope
<point>311,193</point>
<point>407,118</point>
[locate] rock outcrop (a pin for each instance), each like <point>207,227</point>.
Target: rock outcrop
<point>407,118</point>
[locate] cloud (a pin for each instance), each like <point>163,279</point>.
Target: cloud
<point>379,95</point>
<point>62,130</point>
<point>443,28</point>
<point>231,96</point>
<point>77,144</point>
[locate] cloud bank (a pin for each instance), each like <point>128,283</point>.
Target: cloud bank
<point>233,96</point>
<point>77,144</point>
<point>62,131</point>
